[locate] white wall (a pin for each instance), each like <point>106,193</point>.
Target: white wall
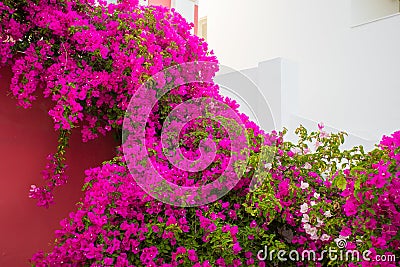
<point>185,8</point>
<point>367,10</point>
<point>203,7</point>
<point>348,77</point>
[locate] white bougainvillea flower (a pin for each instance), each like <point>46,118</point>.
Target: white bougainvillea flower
<point>268,166</point>
<point>305,218</point>
<point>304,185</point>
<point>296,150</point>
<point>307,166</point>
<point>312,231</point>
<point>319,222</point>
<point>304,208</point>
<point>325,237</point>
<point>327,214</point>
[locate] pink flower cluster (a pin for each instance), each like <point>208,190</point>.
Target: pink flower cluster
<point>90,60</point>
<point>118,224</point>
<point>54,175</point>
<point>308,209</point>
<point>373,200</point>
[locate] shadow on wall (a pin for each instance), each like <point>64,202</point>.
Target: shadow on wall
<point>268,94</point>
<point>26,138</point>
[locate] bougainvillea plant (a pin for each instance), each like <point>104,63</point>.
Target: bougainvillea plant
<point>302,205</point>
<point>90,58</point>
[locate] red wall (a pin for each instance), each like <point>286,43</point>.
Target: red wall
<point>26,138</point>
<point>196,19</point>
<point>166,3</point>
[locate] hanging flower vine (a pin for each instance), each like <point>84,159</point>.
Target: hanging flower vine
<point>89,59</point>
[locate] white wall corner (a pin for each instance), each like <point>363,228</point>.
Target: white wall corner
<point>270,83</point>
<point>289,90</point>
<point>173,3</point>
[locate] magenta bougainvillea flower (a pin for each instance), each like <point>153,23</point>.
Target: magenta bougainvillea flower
<point>91,58</point>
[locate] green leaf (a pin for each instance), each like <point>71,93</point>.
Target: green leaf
<point>340,182</point>
<point>357,184</point>
<point>371,210</point>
